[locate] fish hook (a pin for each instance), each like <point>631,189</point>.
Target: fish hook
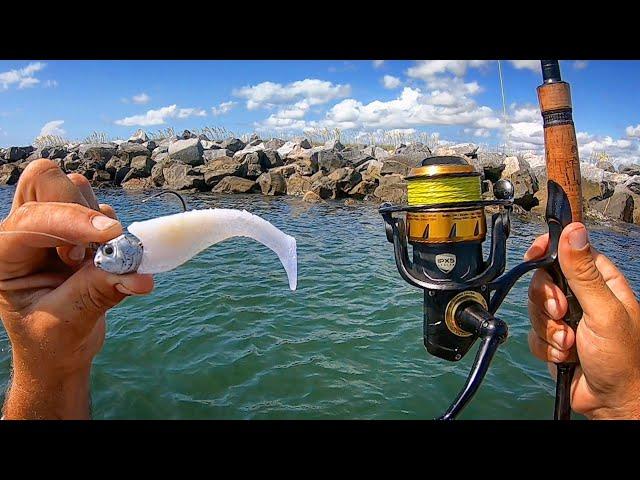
<point>165,192</point>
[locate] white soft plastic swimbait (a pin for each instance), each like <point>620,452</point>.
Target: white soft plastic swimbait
<point>164,243</point>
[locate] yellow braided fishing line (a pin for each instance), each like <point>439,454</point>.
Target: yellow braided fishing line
<point>429,191</point>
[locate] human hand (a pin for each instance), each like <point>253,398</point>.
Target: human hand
<point>53,299</point>
<point>606,384</point>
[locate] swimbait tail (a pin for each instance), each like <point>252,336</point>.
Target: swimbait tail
<point>164,243</point>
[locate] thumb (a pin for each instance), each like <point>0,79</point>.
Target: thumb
<point>90,292</point>
<point>578,263</point>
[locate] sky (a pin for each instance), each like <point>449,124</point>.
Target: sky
<point>456,100</point>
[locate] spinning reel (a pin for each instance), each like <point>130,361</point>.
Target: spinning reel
<point>444,221</point>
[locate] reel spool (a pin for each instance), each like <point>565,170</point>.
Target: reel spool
<point>444,222</point>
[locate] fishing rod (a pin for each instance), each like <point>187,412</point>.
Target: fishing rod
<point>443,220</point>
<point>563,167</point>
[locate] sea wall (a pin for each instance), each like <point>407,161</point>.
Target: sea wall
<point>330,171</point>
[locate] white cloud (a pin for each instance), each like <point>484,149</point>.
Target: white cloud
<point>427,69</point>
<point>51,83</point>
<point>533,65</point>
<point>224,107</point>
<point>23,78</point>
<point>526,113</point>
<point>53,127</point>
<point>191,112</point>
<point>633,131</point>
<point>270,94</point>
<point>141,98</point>
<point>391,82</point>
<point>618,150</point>
<point>378,63</point>
<point>152,117</point>
<point>580,64</point>
<point>478,132</point>
<point>159,116</point>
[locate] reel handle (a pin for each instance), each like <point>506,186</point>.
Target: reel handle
<point>492,332</point>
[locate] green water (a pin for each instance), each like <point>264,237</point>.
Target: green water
<point>223,337</point>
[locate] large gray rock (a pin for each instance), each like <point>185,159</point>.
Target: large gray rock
<point>355,157</point>
<point>256,163</point>
<point>97,154</point>
<point>186,135</point>
<point>363,189</point>
<point>415,148</point>
<point>141,167</point>
<point>138,184</point>
<point>157,172</point>
<point>272,184</point>
<point>223,167</point>
<point>9,174</point>
<point>159,150</point>
<point>333,145</point>
<point>235,185</point>
<point>293,146</point>
<point>525,187</point>
<point>298,184</point>
<point>330,160</point>
<point>392,188</point>
<point>15,154</point>
<point>376,152</point>
<point>180,176</point>
<point>513,165</point>
<point>346,178</point>
<point>272,159</point>
<point>273,144</point>
<point>71,163</point>
<point>630,169</point>
<point>399,164</point>
<point>491,164</point>
<point>101,177</point>
<point>139,137</point>
<point>233,144</point>
<point>633,184</point>
<point>131,150</point>
<point>619,206</point>
<point>118,169</point>
<point>214,154</point>
<point>188,151</point>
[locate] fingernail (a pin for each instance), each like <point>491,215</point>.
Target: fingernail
<point>551,306</point>
<point>559,338</point>
<point>578,238</point>
<point>100,222</point>
<point>77,253</point>
<point>124,290</point>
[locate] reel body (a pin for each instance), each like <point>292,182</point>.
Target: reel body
<point>444,222</point>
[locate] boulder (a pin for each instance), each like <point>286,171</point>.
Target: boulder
<point>97,154</point>
<point>286,170</point>
<point>525,187</point>
<point>513,165</point>
<point>211,155</point>
<point>249,149</point>
<point>298,184</point>
<point>630,169</point>
<point>325,188</point>
<point>376,152</point>
<point>139,137</point>
<point>355,157</point>
<point>256,163</point>
<point>633,184</point>
<point>416,149</point>
<point>392,188</point>
<point>233,144</point>
<point>140,167</point>
<point>188,151</point>
<point>285,149</point>
<point>371,169</point>
<point>9,174</point>
<point>330,160</point>
<point>273,144</point>
<point>255,142</point>
<point>606,166</point>
<point>363,189</point>
<point>619,206</point>
<point>311,197</point>
<point>71,164</point>
<point>223,167</point>
<point>235,185</point>
<point>180,176</point>
<point>118,169</point>
<point>138,184</point>
<point>101,176</point>
<point>272,184</point>
<point>491,165</point>
<point>15,154</point>
<point>399,164</point>
<point>157,172</point>
<point>332,145</point>
<point>186,135</point>
<point>345,178</point>
<point>272,159</point>
<point>159,150</point>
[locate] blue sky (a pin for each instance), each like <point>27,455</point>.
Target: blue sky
<point>457,99</point>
